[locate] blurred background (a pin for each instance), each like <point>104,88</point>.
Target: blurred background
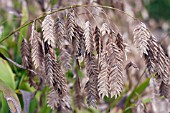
<point>137,97</point>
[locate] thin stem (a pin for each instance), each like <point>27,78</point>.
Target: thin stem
<point>16,64</point>
<point>92,16</point>
<point>140,78</point>
<point>24,25</point>
<point>130,64</point>
<point>109,21</point>
<point>74,6</point>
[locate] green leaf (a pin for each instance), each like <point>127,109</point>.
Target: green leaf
<point>23,32</point>
<point>7,77</point>
<point>45,109</point>
<point>53,2</point>
<point>33,106</point>
<point>11,97</point>
<point>6,74</point>
<point>89,110</point>
<point>26,96</point>
<point>4,50</point>
<point>146,100</point>
<point>137,90</point>
<point>4,106</point>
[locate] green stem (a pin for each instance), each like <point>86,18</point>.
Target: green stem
<point>74,6</point>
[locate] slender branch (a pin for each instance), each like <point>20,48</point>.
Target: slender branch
<point>130,64</point>
<point>16,64</point>
<point>92,16</point>
<point>74,6</point>
<point>140,78</point>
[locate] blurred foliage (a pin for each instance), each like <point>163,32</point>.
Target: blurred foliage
<point>158,9</point>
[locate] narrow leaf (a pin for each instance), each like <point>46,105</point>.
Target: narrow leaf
<point>11,98</point>
<point>27,99</point>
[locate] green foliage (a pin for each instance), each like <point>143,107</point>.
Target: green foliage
<point>7,85</point>
<point>134,95</point>
<point>3,104</point>
<point>159,9</point>
<point>11,97</point>
<point>6,73</point>
<point>53,2</point>
<point>23,32</point>
<point>4,50</point>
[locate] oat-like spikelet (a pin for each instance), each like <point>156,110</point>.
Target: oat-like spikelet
<point>78,43</point>
<point>26,60</point>
<point>165,90</point>
<point>91,86</point>
<point>103,78</point>
<point>25,53</point>
<point>141,36</point>
<point>32,33</point>
<point>82,45</point>
<point>162,65</point>
<point>59,97</point>
<point>159,62</point>
<point>49,69</point>
<point>60,33</point>
<point>111,78</point>
<point>61,104</point>
<point>156,60</point>
<point>91,66</point>
<point>119,42</point>
<point>88,38</point>
<point>63,44</point>
<point>31,79</point>
<point>36,50</point>
<point>48,30</point>
<point>105,29</point>
<point>59,80</point>
<point>92,94</point>
<point>70,25</point>
<point>78,98</point>
<point>53,99</point>
<point>116,77</point>
<point>153,46</point>
<point>150,62</point>
<point>65,58</point>
<point>97,39</point>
